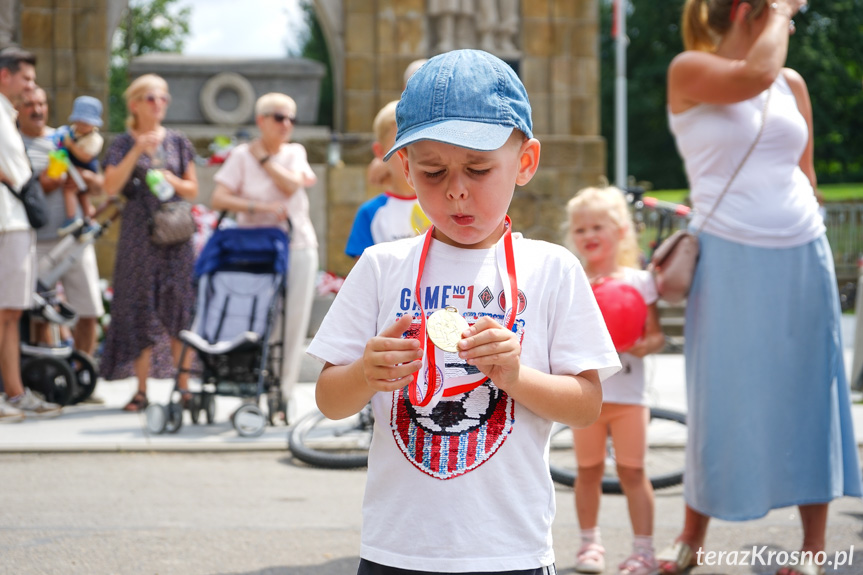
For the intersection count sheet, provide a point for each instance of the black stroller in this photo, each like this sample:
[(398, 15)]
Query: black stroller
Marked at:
[(241, 274)]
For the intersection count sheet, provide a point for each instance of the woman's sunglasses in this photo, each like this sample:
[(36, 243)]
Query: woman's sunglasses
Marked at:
[(153, 98), (280, 118)]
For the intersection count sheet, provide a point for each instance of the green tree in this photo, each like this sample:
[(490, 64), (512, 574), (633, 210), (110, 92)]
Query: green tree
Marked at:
[(147, 26), (314, 47), (654, 36), (827, 50)]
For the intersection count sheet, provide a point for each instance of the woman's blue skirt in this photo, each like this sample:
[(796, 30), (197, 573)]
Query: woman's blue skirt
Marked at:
[(769, 413)]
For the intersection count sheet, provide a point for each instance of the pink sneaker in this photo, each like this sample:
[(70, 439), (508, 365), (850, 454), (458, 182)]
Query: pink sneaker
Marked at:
[(639, 563), (590, 558)]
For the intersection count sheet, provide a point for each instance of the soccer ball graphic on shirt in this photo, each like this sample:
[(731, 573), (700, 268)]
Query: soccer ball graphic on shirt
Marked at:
[(459, 433), (455, 415)]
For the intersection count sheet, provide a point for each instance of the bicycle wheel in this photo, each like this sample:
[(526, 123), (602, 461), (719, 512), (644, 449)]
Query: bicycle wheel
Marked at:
[(342, 444), (666, 438)]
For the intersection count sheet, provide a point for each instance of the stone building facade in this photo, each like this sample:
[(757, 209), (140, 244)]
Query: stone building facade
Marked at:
[(552, 44)]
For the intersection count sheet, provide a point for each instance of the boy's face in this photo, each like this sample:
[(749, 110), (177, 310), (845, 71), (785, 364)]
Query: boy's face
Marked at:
[(466, 193)]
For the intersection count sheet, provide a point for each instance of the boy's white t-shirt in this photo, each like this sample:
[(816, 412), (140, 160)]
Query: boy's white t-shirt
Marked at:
[(465, 486), (628, 384)]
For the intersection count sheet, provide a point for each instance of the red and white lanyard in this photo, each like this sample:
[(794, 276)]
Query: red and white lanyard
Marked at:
[(423, 393)]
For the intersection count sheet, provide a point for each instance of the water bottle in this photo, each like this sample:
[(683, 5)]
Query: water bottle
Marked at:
[(159, 185)]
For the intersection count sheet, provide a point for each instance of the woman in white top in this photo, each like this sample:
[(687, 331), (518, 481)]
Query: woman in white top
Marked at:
[(264, 182), (769, 416)]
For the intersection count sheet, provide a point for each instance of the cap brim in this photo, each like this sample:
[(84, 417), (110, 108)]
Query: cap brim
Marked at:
[(92, 121), (468, 134)]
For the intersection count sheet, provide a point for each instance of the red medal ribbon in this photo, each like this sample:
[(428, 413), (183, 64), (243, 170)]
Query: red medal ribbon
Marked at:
[(419, 398)]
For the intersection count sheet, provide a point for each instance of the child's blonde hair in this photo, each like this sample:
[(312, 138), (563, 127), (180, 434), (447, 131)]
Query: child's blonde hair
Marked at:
[(385, 121), (610, 201)]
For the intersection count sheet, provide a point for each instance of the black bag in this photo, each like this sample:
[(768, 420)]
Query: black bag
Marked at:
[(33, 198)]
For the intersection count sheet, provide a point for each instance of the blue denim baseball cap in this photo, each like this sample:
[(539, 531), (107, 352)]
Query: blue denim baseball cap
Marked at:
[(467, 98), (87, 109)]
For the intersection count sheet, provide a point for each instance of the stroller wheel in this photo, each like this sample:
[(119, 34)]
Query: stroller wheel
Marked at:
[(157, 417), (174, 420), (53, 378), (249, 420), (208, 401)]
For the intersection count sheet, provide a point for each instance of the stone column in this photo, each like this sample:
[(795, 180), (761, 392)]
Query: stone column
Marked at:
[(72, 40), (8, 22)]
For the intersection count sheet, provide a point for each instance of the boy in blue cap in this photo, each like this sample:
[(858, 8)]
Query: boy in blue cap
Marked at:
[(464, 398), (82, 141)]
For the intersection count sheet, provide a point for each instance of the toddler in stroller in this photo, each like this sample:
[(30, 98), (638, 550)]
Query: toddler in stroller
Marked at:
[(241, 276)]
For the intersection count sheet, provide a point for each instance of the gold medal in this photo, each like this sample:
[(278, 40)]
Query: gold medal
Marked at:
[(444, 328)]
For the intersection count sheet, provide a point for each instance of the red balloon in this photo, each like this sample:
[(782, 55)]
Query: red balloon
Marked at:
[(623, 310)]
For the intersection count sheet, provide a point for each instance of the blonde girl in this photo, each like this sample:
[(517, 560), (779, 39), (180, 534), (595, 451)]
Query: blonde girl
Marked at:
[(601, 233)]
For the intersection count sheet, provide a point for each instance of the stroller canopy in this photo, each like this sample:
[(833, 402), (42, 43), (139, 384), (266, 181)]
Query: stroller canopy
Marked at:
[(254, 250)]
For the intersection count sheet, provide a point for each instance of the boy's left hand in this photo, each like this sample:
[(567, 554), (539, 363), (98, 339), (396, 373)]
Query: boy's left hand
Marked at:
[(494, 350)]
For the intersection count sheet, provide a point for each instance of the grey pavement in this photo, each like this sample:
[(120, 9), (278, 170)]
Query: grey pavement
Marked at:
[(90, 492)]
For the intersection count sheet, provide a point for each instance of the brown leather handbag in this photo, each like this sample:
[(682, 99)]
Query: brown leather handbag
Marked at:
[(172, 223), (673, 263)]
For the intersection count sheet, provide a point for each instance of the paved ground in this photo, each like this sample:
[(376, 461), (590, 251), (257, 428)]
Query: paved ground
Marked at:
[(260, 512), (91, 492)]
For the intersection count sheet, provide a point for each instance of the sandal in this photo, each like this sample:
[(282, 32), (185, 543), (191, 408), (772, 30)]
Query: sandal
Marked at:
[(806, 568), (590, 558), (137, 403), (676, 559), (639, 563)]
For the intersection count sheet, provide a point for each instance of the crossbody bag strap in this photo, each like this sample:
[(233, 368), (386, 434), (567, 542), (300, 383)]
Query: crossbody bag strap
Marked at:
[(740, 165), (32, 174), (14, 193)]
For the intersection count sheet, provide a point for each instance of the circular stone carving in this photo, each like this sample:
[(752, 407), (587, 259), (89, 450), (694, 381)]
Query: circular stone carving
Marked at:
[(235, 83)]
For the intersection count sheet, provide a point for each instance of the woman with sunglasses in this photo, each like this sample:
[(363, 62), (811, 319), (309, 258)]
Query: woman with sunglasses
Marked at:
[(264, 183), (153, 293), (769, 415)]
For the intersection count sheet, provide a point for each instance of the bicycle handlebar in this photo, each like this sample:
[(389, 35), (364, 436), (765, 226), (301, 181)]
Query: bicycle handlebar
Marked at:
[(676, 209)]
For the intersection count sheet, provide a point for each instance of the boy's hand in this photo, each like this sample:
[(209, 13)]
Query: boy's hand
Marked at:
[(494, 350), (389, 360)]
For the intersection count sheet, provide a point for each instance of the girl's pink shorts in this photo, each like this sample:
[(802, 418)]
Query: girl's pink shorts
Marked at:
[(628, 427)]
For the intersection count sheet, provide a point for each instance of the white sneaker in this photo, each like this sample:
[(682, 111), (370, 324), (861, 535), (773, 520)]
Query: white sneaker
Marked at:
[(9, 414), (28, 402)]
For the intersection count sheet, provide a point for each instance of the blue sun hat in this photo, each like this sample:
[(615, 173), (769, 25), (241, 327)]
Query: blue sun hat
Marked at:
[(87, 109), (467, 98)]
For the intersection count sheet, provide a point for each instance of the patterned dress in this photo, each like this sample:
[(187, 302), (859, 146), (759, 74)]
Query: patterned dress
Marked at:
[(153, 290)]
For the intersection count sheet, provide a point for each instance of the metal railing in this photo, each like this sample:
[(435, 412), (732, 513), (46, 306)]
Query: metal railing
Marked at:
[(844, 222)]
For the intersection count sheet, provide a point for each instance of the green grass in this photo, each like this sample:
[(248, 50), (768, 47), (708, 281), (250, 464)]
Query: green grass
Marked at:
[(831, 192)]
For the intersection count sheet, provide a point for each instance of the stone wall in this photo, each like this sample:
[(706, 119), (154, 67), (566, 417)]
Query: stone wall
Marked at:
[(72, 41), (558, 61)]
